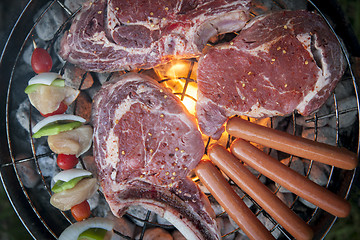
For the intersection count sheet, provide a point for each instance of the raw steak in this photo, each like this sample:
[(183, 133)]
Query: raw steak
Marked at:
[(279, 62), (115, 35), (145, 144)]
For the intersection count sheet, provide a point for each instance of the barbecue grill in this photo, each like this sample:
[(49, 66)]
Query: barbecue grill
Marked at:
[(19, 152)]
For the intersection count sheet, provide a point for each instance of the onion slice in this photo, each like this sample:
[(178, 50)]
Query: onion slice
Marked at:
[(44, 78), (56, 118), (74, 230), (70, 174)]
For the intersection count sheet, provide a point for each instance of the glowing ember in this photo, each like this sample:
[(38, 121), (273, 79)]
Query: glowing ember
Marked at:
[(180, 77)]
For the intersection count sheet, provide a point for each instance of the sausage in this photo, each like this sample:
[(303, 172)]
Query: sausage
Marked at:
[(295, 145), (290, 179), (230, 201), (259, 192)]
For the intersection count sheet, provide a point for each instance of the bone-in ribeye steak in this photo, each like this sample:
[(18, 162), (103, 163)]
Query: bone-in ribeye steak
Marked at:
[(278, 63), (145, 144), (113, 35)]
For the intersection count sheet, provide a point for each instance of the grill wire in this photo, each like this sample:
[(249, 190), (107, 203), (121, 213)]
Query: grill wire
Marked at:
[(45, 218)]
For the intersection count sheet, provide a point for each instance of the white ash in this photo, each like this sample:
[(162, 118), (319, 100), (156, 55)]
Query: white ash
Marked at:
[(225, 227), (241, 194), (269, 225), (28, 174), (345, 119), (297, 165), (23, 115), (324, 110), (261, 177), (162, 220), (102, 209), (274, 154), (286, 197), (47, 163), (73, 5), (56, 48), (177, 235), (26, 56), (235, 226), (343, 90), (94, 201), (307, 203), (155, 234), (319, 172), (325, 135), (103, 77), (218, 209), (140, 213), (73, 77), (93, 91), (50, 22)]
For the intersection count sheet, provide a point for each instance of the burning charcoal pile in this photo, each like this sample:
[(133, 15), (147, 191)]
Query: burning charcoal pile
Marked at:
[(150, 106)]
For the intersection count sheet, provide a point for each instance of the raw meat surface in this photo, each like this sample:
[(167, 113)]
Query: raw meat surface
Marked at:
[(114, 35), (145, 144), (279, 62)]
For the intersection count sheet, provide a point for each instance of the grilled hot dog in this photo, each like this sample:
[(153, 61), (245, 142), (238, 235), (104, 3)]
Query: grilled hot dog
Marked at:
[(230, 201), (259, 192), (295, 145), (290, 179)]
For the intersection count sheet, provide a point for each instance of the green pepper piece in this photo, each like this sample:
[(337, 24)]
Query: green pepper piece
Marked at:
[(60, 186), (56, 83), (55, 128), (93, 234)]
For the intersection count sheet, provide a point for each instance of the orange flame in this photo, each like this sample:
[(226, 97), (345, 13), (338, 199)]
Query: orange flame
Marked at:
[(180, 76)]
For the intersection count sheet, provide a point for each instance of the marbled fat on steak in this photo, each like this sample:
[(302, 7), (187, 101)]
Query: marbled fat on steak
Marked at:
[(114, 35), (145, 144), (279, 62)]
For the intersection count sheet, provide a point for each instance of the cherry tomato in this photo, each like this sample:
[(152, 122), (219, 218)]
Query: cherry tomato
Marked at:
[(41, 60), (81, 211), (66, 162), (61, 109)]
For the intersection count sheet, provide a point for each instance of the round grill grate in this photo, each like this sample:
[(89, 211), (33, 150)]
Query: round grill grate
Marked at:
[(22, 158)]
